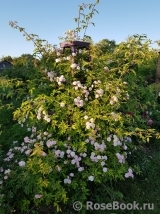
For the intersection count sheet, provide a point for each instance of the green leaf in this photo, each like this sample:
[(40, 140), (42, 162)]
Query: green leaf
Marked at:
[(120, 195), (21, 29)]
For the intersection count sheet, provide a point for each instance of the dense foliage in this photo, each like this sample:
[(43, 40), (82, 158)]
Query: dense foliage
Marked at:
[(67, 123)]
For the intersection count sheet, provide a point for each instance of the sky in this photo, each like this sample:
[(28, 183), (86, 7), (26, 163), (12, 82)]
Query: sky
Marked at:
[(49, 19)]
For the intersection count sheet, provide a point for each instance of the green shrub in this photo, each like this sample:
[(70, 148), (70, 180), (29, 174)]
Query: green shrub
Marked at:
[(84, 121)]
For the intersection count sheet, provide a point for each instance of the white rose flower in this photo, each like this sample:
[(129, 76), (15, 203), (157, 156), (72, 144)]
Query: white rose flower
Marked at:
[(106, 68), (85, 117), (91, 178), (62, 104), (104, 169), (22, 163), (74, 65), (58, 60), (68, 57)]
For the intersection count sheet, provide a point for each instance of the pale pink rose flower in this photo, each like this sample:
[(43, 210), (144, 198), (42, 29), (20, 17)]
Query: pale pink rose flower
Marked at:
[(38, 196)]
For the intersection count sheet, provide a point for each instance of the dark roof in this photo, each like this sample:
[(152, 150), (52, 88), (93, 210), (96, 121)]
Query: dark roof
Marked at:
[(5, 61)]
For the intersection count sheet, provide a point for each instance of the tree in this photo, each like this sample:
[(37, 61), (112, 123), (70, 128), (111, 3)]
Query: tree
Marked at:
[(24, 60), (7, 58), (106, 46)]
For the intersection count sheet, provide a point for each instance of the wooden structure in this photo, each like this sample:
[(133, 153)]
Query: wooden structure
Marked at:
[(75, 46)]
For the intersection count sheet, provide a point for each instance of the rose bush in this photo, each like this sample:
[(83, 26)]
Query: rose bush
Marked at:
[(83, 122)]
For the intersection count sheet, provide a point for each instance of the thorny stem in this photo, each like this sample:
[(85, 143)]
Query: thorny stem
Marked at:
[(87, 22), (14, 25), (79, 19), (31, 209)]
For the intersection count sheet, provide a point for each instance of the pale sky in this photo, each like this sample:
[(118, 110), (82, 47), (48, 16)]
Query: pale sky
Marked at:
[(117, 19)]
